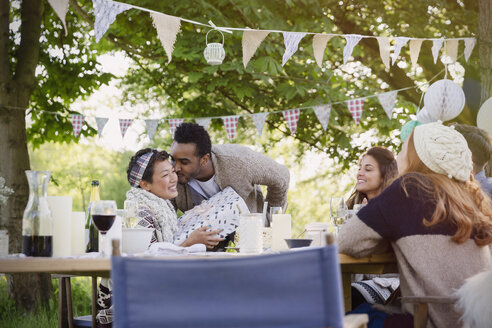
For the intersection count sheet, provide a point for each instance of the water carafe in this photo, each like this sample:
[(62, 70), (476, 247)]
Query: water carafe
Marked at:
[(37, 222)]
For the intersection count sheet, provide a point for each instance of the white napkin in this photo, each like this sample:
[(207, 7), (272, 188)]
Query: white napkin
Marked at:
[(164, 248)]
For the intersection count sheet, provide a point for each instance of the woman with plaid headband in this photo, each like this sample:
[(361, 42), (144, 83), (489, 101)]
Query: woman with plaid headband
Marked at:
[(153, 183)]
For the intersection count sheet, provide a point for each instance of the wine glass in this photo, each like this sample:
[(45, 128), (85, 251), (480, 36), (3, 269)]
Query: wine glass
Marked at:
[(130, 218), (338, 212), (103, 214)]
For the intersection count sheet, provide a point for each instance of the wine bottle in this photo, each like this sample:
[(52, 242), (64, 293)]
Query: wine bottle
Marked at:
[(91, 232)]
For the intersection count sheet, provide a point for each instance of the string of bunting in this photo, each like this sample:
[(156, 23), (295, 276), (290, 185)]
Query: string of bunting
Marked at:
[(167, 27), (291, 116)]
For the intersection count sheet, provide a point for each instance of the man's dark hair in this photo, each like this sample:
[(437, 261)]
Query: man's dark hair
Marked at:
[(194, 133), (478, 141), (157, 156)]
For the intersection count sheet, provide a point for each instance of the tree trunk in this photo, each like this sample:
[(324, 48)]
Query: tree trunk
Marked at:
[(15, 93), (485, 51)]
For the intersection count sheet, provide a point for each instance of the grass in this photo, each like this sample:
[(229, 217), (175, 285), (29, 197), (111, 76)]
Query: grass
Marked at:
[(12, 317)]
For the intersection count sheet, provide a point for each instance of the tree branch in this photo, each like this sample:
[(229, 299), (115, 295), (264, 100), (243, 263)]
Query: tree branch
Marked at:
[(25, 76), (5, 73)]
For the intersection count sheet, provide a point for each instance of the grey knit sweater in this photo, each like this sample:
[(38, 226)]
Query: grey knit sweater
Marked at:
[(244, 170)]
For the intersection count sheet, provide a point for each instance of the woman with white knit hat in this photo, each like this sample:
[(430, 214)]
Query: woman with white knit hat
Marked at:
[(435, 217)]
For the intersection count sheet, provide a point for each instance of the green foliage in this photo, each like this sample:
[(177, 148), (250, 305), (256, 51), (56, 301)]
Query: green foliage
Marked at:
[(44, 317), (76, 165)]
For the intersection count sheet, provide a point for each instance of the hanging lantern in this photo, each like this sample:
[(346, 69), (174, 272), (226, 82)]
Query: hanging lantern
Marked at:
[(423, 116), (214, 53), (484, 116), (444, 100)]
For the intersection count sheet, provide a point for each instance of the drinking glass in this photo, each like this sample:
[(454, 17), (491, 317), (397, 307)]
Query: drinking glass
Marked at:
[(103, 215), (130, 218), (338, 212)]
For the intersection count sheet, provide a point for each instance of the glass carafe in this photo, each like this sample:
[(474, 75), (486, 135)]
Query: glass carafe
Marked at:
[(37, 222)]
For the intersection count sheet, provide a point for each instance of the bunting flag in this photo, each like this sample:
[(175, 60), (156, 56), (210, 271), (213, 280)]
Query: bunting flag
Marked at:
[(319, 45), (451, 48), (251, 42), (77, 123), (323, 114), (388, 101), (203, 121), (436, 46), (230, 123), (291, 42), (60, 7), (352, 41), (259, 121), (355, 107), (291, 117), (101, 123), (469, 45), (124, 125), (167, 29), (151, 126), (384, 50), (174, 123), (400, 42), (415, 46), (106, 12)]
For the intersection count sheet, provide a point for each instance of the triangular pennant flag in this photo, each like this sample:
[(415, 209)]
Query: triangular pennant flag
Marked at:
[(352, 41), (291, 42), (384, 50), (415, 50), (251, 42), (400, 42), (355, 107), (124, 125), (436, 46), (388, 101), (203, 121), (469, 45), (167, 28), (451, 48), (319, 45), (60, 7), (259, 121), (323, 114), (151, 126), (291, 117), (106, 12), (230, 124), (101, 122), (77, 123), (174, 123)]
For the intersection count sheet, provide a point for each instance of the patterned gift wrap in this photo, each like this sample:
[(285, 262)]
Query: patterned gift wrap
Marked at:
[(221, 211)]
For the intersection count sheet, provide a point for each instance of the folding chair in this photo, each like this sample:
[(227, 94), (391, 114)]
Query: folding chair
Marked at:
[(295, 289)]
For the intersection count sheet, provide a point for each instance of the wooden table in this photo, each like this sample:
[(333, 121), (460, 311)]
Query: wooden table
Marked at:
[(101, 267)]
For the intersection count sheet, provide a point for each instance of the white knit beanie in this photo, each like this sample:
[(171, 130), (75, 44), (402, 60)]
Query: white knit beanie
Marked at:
[(443, 150)]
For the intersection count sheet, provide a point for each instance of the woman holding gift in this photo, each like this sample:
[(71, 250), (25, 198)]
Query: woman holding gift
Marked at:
[(436, 218), (153, 183)]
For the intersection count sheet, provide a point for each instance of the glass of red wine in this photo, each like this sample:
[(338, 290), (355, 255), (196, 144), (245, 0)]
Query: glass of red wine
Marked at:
[(103, 215)]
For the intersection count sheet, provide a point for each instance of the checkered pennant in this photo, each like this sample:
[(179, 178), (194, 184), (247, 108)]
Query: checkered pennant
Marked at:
[(101, 123), (230, 123), (124, 125), (174, 123), (291, 117), (203, 121), (259, 121), (151, 126), (77, 123), (355, 107), (388, 101), (323, 114)]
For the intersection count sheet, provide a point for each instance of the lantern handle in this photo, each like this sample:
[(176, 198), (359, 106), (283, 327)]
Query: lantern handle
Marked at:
[(206, 36)]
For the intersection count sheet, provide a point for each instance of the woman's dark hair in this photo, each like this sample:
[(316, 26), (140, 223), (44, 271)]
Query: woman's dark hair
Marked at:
[(157, 156), (387, 168), (194, 133)]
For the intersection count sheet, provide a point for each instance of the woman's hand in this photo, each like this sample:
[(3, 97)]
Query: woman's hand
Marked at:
[(201, 236)]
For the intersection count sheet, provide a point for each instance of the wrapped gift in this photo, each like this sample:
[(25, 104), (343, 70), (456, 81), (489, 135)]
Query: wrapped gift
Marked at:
[(221, 211)]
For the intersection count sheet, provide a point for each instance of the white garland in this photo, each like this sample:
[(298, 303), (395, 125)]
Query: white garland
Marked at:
[(5, 191)]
